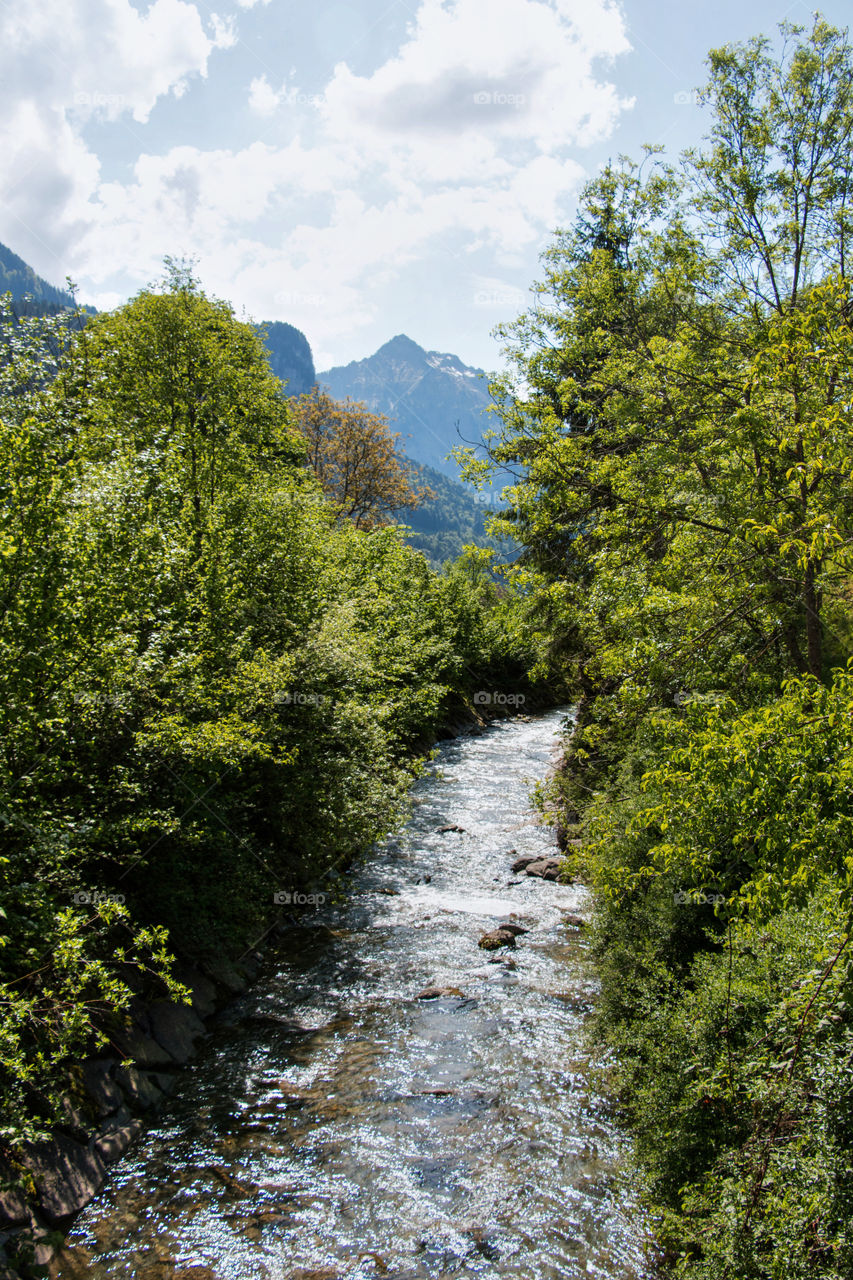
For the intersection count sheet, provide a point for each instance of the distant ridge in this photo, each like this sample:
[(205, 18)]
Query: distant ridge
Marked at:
[(433, 399), (19, 279)]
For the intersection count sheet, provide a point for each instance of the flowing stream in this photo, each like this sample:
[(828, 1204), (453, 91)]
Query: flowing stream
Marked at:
[(368, 1133)]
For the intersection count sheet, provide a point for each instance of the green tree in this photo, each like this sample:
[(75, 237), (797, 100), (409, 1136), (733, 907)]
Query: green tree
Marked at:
[(680, 438)]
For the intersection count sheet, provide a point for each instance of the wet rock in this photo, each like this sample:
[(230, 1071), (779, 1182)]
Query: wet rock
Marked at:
[(314, 1273), (195, 1273), (544, 868), (572, 921), (571, 1001), (100, 1085), (391, 893), (76, 1263), (524, 861), (136, 1043), (433, 993), (509, 926), (113, 1142), (497, 938), (241, 1190), (228, 976), (67, 1175), (139, 1089), (444, 830), (380, 1263), (176, 1028), (201, 988)]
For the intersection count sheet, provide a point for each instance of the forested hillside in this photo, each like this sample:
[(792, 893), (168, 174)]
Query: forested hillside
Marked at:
[(679, 407), (455, 516), (19, 280)]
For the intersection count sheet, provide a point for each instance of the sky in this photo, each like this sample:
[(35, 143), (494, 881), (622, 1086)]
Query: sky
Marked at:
[(360, 169)]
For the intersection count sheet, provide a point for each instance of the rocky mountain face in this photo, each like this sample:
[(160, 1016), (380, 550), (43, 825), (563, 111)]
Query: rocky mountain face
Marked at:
[(433, 399), (290, 356)]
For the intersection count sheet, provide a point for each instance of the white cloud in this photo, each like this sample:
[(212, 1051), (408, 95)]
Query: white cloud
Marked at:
[(466, 138), (63, 65), (505, 70), (263, 98)]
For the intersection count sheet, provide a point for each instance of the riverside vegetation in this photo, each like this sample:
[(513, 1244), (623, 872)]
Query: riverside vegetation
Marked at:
[(215, 688), (677, 413)]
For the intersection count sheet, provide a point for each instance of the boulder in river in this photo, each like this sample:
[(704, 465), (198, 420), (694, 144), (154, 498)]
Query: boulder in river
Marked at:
[(524, 861), (544, 868), (497, 938), (444, 830), (434, 993)]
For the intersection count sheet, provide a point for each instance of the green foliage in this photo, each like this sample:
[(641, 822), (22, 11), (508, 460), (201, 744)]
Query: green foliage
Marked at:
[(211, 689), (722, 931)]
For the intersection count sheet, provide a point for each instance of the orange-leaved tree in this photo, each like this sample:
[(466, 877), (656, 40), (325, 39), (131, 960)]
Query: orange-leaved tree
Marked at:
[(354, 455)]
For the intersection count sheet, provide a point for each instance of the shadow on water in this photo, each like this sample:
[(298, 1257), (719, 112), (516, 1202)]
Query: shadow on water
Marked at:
[(336, 1126)]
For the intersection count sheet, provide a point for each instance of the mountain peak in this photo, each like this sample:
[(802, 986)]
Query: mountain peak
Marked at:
[(401, 346), (431, 397)]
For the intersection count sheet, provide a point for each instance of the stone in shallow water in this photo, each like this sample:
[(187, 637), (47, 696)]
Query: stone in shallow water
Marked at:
[(314, 1273), (523, 862), (544, 868), (433, 993), (497, 938)]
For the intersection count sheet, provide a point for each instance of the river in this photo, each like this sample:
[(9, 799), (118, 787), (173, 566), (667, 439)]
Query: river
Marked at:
[(335, 1126)]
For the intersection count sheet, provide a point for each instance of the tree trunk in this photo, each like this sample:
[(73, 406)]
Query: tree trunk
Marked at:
[(814, 630)]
